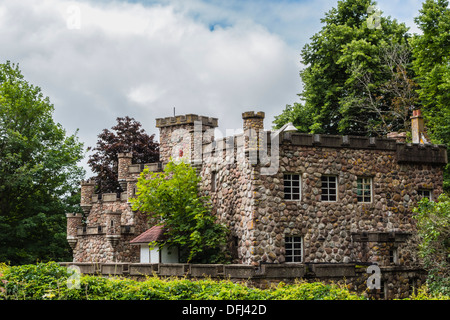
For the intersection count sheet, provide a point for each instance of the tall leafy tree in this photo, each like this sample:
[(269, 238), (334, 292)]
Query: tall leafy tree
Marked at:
[(349, 41), (172, 198), (126, 136), (431, 63), (39, 175)]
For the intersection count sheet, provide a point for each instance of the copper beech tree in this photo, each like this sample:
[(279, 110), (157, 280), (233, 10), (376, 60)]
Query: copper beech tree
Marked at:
[(126, 136)]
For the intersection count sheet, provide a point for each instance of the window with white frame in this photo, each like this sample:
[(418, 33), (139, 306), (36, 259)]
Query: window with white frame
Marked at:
[(364, 189), (424, 193), (294, 248), (329, 188), (292, 187)]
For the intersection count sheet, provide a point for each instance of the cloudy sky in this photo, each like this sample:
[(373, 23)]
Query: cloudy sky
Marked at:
[(99, 60)]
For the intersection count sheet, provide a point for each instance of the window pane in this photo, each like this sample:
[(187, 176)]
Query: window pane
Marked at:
[(291, 186)]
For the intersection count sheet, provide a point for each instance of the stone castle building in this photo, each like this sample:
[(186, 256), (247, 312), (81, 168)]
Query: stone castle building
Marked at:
[(285, 196)]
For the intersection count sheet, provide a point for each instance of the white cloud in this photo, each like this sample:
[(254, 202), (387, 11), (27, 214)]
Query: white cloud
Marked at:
[(141, 61), (212, 58)]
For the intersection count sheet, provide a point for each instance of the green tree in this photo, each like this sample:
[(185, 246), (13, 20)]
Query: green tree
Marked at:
[(171, 198), (350, 40), (433, 225), (39, 175), (431, 63)]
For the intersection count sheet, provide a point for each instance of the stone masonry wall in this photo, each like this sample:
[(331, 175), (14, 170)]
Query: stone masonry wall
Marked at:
[(232, 194), (326, 227), (254, 208), (99, 240)]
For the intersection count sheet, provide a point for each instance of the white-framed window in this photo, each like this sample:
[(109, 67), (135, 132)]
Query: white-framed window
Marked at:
[(294, 248), (292, 183), (329, 188), (364, 189), (424, 193)]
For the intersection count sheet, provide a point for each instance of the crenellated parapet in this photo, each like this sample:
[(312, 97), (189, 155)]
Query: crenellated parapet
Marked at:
[(187, 119)]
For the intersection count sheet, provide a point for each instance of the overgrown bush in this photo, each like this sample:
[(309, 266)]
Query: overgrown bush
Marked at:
[(50, 281), (433, 226)]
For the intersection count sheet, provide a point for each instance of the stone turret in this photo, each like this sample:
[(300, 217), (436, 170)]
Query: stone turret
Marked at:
[(182, 136), (87, 190), (253, 120), (113, 226), (252, 126), (124, 161), (74, 220)]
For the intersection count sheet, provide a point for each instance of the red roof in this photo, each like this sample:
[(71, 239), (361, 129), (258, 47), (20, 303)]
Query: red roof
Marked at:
[(155, 233)]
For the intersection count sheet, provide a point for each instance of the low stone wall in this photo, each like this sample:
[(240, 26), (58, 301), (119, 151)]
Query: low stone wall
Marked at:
[(396, 282)]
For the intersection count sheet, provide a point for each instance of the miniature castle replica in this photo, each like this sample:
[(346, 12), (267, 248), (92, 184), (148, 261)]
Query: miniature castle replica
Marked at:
[(287, 197)]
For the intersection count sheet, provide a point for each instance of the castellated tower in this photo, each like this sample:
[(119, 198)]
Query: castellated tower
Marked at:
[(183, 136)]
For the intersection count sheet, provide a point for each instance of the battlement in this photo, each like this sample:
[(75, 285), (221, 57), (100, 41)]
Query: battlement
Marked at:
[(405, 152), (253, 114), (186, 119)]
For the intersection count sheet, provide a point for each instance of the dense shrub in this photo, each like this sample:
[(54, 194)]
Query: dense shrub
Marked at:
[(50, 281)]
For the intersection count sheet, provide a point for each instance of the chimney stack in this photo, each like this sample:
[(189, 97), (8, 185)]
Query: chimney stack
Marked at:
[(417, 128)]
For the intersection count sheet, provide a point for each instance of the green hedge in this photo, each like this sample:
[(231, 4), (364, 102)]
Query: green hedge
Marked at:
[(53, 282)]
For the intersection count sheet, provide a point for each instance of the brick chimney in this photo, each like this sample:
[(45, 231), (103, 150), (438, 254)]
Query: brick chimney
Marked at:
[(418, 128)]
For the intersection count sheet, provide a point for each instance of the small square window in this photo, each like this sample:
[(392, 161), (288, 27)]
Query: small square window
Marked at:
[(393, 256), (294, 249), (424, 193), (329, 191), (292, 188), (364, 189)]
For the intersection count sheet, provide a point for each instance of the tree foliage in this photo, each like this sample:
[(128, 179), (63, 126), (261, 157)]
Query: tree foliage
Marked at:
[(346, 48), (365, 79), (49, 282), (39, 175), (431, 63), (172, 198), (433, 225), (126, 136)]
